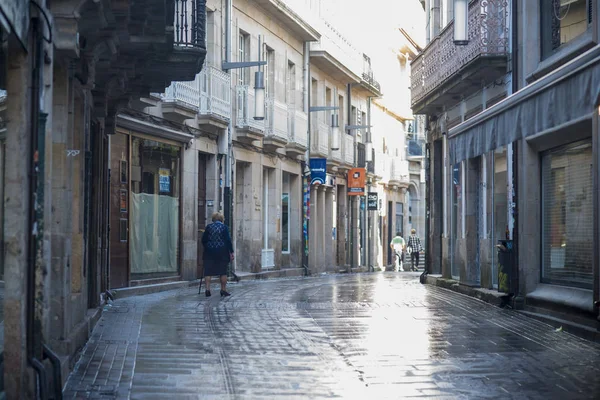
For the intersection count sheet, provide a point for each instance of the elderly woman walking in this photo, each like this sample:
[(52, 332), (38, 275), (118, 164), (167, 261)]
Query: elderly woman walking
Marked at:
[(218, 252)]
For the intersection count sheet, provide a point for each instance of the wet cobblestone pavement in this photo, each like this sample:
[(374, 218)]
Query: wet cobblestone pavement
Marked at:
[(380, 335)]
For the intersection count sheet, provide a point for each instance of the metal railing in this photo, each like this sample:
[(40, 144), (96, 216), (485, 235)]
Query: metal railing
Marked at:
[(348, 143), (245, 109), (276, 119), (320, 137), (208, 94), (215, 92), (190, 23), (442, 59), (368, 77), (297, 127)]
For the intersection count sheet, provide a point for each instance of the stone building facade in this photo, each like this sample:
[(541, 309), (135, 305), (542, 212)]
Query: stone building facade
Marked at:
[(67, 68), (512, 128)]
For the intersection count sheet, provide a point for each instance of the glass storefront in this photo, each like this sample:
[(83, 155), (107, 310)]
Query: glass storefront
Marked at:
[(500, 216), (155, 199), (567, 215)]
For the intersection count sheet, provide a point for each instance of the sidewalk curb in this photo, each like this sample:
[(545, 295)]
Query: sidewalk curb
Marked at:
[(279, 273), (149, 289), (489, 296)]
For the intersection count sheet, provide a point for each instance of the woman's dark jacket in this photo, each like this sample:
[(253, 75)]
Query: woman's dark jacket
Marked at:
[(217, 242)]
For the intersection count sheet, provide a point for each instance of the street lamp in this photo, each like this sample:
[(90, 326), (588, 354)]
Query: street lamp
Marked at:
[(259, 93), (335, 132), (369, 151), (461, 22)]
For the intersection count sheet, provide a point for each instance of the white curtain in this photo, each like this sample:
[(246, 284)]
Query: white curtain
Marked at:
[(154, 233)]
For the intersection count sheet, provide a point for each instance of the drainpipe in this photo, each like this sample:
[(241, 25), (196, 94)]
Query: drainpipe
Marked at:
[(36, 211), (305, 181), (515, 161), (227, 196), (352, 198)]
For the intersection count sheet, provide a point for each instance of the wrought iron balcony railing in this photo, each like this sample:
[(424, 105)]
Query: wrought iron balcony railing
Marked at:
[(208, 94), (442, 59), (297, 127), (368, 77), (189, 26), (245, 109)]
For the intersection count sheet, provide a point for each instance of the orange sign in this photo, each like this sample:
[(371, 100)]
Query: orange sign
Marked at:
[(356, 182)]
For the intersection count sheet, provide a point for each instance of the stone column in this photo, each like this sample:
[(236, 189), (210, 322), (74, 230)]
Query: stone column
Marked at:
[(321, 229), (329, 215), (18, 377), (313, 229), (342, 219), (62, 198), (355, 248), (189, 211)]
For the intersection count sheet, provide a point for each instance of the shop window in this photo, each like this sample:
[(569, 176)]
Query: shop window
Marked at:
[(154, 227), (567, 215), (563, 21)]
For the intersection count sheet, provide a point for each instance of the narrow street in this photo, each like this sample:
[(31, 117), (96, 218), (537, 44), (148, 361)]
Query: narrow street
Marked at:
[(380, 335)]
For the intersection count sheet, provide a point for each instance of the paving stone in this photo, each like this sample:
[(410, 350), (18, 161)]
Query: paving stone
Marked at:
[(379, 335)]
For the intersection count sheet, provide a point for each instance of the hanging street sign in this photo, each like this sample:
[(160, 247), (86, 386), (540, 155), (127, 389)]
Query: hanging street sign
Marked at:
[(318, 171), (356, 182), (372, 201)]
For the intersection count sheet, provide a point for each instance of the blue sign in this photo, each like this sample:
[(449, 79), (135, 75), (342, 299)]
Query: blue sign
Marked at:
[(318, 170), (164, 180)]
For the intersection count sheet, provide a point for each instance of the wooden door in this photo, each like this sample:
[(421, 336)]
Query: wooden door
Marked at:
[(202, 159)]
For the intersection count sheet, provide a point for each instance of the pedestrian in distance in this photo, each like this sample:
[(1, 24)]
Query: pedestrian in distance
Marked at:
[(415, 247), (218, 253), (398, 245)]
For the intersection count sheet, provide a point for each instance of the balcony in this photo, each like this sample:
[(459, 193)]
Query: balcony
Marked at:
[(443, 73), (127, 50), (276, 125), (208, 97), (248, 129), (368, 85), (319, 141), (297, 132), (348, 150), (399, 173)]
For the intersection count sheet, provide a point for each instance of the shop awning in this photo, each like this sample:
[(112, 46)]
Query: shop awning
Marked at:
[(568, 94)]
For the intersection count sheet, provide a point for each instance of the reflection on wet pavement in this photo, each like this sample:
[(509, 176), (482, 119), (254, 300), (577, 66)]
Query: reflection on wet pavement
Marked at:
[(348, 336)]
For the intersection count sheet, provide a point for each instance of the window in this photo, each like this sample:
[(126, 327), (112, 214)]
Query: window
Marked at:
[(291, 84), (269, 70), (567, 216), (243, 56), (155, 205), (562, 21)]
